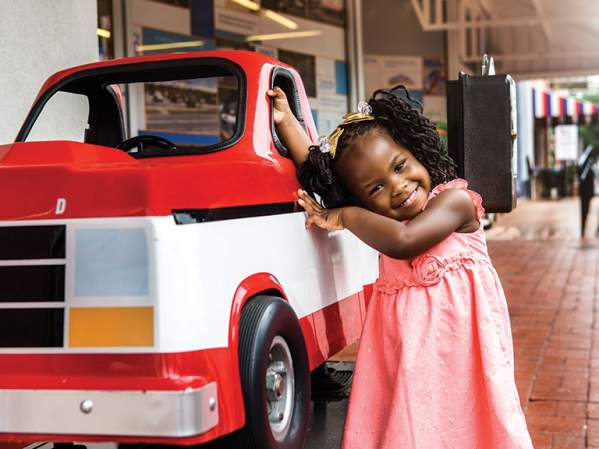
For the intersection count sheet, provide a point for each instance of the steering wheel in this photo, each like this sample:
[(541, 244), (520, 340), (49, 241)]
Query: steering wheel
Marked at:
[(140, 142)]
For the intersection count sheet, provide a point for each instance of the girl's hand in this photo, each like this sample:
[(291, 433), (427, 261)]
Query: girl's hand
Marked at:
[(329, 219), (281, 109)]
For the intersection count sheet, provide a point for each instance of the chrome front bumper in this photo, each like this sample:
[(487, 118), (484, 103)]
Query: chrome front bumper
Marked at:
[(118, 413)]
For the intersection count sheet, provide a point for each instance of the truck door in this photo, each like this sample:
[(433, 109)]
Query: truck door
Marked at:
[(341, 264)]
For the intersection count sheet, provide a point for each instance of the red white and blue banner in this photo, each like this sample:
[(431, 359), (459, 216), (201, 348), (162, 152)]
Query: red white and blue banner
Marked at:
[(549, 104)]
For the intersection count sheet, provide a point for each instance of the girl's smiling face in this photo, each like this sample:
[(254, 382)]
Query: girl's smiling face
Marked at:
[(384, 176)]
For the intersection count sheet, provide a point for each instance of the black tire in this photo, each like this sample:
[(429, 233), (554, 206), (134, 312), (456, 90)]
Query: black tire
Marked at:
[(265, 320)]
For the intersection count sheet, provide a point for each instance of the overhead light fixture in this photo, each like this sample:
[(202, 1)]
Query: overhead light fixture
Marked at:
[(169, 46), (103, 33), (275, 36), (249, 4), (253, 6), (287, 23)]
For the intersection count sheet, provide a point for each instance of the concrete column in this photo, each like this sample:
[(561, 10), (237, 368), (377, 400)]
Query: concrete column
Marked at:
[(453, 42), (40, 37), (526, 130), (355, 52)]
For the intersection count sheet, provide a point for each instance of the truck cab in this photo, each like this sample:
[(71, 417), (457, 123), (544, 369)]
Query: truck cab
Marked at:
[(158, 285)]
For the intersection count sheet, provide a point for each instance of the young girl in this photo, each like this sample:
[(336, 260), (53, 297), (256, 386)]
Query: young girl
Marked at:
[(435, 366)]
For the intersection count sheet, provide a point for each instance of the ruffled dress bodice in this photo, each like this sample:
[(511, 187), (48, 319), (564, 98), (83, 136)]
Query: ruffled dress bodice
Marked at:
[(459, 249)]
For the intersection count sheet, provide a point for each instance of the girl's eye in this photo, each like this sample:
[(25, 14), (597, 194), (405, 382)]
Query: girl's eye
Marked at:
[(376, 189), (399, 167)]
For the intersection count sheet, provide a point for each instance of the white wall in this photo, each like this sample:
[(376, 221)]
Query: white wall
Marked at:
[(40, 37), (391, 31)]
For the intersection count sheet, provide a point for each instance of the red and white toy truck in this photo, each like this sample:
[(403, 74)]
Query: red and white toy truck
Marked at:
[(163, 288)]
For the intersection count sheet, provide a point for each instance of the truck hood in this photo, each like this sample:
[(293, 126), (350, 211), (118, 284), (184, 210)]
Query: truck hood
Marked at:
[(63, 179)]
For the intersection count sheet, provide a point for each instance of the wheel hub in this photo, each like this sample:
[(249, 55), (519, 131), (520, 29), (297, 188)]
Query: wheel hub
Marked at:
[(275, 381), (280, 388)]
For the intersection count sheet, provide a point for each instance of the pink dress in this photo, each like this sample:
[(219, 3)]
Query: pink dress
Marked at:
[(435, 367)]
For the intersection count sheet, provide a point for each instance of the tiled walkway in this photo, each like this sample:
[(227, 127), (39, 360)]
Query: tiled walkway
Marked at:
[(551, 290), (549, 277)]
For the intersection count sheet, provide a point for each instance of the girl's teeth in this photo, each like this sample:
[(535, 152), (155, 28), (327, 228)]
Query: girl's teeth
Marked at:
[(408, 200)]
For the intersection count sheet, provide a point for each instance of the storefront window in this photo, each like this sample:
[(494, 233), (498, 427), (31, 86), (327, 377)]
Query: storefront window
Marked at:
[(180, 107)]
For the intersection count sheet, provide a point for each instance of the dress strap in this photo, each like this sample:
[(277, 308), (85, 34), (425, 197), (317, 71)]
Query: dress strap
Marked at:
[(461, 184)]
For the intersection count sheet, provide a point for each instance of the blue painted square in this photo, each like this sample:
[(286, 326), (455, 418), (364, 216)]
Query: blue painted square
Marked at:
[(111, 262)]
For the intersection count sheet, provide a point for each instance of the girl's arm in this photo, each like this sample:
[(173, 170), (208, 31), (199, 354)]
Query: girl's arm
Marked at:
[(289, 129), (450, 211)]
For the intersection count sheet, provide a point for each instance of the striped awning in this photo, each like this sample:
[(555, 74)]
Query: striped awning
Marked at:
[(549, 104)]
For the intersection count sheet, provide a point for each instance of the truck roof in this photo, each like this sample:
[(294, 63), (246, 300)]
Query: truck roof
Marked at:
[(245, 59)]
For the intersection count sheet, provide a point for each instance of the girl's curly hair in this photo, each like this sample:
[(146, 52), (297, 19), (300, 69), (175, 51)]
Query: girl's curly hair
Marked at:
[(394, 113)]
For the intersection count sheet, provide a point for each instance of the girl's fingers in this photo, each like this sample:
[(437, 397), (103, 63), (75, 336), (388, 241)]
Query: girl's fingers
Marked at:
[(315, 214), (307, 206), (310, 221), (308, 199), (274, 92)]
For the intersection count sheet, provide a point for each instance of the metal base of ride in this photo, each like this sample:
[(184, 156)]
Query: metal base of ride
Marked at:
[(332, 381)]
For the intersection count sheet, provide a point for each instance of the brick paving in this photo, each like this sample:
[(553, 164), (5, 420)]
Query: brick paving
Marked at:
[(549, 276), (551, 291)]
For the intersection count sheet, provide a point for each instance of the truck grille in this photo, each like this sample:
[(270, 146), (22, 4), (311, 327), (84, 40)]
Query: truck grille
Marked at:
[(32, 286)]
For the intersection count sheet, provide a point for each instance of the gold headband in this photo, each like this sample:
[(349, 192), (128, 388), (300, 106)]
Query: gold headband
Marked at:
[(329, 144)]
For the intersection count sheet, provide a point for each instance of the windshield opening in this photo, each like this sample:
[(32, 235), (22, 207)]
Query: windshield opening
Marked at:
[(174, 107)]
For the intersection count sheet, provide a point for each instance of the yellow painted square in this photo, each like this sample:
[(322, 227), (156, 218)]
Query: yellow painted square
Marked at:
[(111, 326)]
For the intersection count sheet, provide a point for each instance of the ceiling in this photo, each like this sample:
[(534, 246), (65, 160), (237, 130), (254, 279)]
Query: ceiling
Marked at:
[(527, 38)]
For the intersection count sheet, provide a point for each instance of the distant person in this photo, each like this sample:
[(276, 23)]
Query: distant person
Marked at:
[(435, 367)]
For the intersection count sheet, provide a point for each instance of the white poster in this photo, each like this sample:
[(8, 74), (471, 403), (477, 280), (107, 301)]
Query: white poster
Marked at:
[(327, 122), (389, 71), (329, 112), (325, 76), (335, 103), (566, 142), (372, 74), (406, 70)]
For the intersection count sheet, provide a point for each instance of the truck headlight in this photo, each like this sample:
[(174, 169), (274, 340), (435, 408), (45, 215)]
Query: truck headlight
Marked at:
[(111, 262)]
